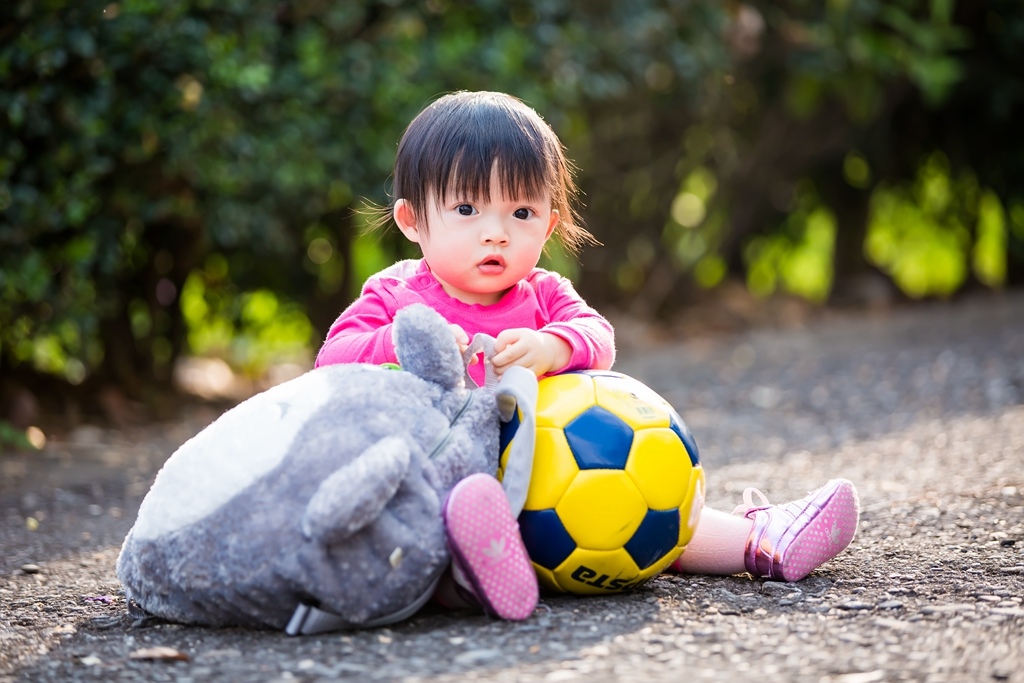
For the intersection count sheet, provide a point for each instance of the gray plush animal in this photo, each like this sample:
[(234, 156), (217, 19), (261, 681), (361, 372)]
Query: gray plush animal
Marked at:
[(316, 505)]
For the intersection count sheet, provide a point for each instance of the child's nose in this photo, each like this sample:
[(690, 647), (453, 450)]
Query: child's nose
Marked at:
[(494, 233)]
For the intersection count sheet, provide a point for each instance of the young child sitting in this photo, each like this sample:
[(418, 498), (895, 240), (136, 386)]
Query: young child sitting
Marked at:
[(481, 183)]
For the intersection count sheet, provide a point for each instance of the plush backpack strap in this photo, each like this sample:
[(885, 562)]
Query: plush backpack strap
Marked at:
[(485, 343), (308, 620), (517, 390)]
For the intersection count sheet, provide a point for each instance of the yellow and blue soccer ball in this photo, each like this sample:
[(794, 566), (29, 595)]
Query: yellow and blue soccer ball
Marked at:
[(617, 487)]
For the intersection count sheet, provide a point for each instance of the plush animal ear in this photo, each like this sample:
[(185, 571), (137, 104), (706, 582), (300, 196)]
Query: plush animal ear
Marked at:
[(426, 346), (356, 494)]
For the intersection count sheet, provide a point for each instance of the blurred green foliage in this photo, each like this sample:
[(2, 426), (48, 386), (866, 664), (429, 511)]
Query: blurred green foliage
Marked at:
[(188, 175), (798, 257), (920, 234), (13, 438)]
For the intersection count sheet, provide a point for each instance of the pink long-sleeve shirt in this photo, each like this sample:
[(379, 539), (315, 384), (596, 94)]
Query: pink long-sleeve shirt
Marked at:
[(543, 301)]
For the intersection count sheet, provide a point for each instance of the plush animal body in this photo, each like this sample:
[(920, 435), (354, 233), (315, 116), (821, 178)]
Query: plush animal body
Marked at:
[(323, 493)]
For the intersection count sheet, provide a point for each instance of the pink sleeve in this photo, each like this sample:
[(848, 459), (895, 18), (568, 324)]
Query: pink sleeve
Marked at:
[(585, 330), (361, 334)]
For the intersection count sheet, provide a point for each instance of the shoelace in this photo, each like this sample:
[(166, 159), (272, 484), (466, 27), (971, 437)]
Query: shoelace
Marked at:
[(748, 501)]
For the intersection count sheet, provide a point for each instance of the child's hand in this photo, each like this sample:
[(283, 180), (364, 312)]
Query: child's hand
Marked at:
[(462, 339), (537, 351)]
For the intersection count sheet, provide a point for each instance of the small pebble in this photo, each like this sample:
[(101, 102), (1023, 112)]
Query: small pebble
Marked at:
[(477, 657), (778, 588), (855, 605), (31, 568)]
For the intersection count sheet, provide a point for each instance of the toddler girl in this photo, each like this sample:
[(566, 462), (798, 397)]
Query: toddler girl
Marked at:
[(481, 183)]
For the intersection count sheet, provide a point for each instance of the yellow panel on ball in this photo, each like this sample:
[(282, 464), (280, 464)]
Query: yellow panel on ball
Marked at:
[(633, 402), (546, 578), (554, 469), (601, 509), (562, 397), (660, 468), (597, 572)]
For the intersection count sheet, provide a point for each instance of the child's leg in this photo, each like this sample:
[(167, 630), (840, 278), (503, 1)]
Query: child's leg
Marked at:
[(718, 545), (489, 560), (783, 542)]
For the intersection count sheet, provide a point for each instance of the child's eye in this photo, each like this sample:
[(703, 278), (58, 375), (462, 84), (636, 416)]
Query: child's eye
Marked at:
[(464, 209), (522, 214)]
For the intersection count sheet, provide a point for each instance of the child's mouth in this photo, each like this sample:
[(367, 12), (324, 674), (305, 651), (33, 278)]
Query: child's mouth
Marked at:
[(492, 266)]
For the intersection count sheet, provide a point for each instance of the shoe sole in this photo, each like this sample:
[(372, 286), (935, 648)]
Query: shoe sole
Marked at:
[(484, 539), (828, 533)]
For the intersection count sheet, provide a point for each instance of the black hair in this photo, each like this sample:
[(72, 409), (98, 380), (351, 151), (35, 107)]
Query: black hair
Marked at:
[(453, 144)]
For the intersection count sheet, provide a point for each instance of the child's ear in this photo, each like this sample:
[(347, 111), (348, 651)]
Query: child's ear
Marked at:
[(552, 223), (405, 219)]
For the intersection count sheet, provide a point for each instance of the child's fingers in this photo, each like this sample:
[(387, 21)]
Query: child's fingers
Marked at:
[(506, 338), (505, 345), (521, 347), (462, 339), (517, 354), (504, 358)]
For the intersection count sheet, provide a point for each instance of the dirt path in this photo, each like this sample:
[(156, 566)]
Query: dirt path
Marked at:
[(922, 408)]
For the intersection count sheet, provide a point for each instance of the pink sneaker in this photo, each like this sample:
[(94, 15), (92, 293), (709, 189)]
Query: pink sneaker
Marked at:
[(790, 541), (488, 555)]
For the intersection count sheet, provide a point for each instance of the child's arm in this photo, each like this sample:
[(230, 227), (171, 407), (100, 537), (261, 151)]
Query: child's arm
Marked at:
[(576, 336), (588, 334), (361, 334)]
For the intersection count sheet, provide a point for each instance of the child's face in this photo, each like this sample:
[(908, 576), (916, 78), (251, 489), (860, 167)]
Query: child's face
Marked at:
[(479, 248)]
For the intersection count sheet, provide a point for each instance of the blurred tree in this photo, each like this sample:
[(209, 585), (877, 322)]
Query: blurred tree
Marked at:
[(979, 129), (165, 163), (856, 97), (189, 173)]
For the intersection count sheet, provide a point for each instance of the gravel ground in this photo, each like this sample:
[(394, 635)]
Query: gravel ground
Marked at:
[(922, 407)]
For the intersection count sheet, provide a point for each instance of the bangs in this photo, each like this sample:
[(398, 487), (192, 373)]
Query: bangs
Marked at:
[(467, 166), (452, 152)]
